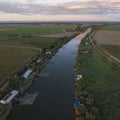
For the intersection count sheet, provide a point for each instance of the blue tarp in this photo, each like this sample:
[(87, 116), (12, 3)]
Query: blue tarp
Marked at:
[(77, 103)]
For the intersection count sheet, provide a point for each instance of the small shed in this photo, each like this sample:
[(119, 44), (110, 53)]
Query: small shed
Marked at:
[(78, 77), (27, 73)]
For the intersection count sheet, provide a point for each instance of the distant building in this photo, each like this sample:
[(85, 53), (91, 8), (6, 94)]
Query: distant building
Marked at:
[(9, 97)]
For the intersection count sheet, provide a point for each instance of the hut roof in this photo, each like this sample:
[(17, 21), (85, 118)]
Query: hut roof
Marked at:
[(9, 97), (27, 73)]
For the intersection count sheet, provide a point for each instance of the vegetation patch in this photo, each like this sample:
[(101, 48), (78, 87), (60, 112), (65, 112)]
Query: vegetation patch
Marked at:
[(12, 58), (32, 29), (58, 34), (36, 42)]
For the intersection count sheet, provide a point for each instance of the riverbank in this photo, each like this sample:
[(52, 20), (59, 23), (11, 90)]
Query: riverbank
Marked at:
[(98, 90)]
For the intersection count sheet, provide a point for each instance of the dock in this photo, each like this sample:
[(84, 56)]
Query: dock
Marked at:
[(28, 99)]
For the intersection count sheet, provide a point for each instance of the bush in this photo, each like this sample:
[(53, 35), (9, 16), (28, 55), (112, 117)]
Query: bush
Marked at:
[(82, 110), (90, 116), (89, 101)]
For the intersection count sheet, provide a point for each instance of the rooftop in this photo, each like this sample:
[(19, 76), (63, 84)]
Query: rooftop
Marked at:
[(27, 73), (9, 97)]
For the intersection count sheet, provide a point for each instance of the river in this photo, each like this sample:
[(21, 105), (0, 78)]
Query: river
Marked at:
[(56, 92)]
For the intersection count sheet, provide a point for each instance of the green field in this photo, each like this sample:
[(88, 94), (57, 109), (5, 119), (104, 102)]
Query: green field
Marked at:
[(36, 42), (110, 28), (32, 29), (29, 35), (101, 82), (12, 58)]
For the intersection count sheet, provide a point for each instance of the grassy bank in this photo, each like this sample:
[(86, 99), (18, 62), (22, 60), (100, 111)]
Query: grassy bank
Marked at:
[(99, 88)]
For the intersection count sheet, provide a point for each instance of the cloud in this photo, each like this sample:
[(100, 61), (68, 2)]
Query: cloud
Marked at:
[(76, 7)]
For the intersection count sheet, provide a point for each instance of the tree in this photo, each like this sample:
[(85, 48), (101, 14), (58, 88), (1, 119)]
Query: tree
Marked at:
[(82, 109), (89, 101)]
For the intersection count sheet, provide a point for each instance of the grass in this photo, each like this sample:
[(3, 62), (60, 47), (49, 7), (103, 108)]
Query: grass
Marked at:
[(35, 29), (37, 42), (111, 28), (12, 58), (105, 85)]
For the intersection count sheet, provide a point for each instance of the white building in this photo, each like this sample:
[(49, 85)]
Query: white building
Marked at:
[(9, 97), (27, 73)]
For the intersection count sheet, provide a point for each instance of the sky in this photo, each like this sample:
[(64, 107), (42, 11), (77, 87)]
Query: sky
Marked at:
[(60, 10)]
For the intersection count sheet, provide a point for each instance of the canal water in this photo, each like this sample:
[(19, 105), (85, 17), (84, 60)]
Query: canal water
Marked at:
[(56, 91)]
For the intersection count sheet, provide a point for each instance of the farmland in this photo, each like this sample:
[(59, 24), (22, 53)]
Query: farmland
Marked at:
[(33, 35), (32, 29), (111, 28), (108, 38), (19, 43), (12, 58), (36, 42)]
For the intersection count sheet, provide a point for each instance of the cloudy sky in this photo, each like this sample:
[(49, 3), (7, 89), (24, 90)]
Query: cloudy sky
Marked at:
[(60, 10)]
